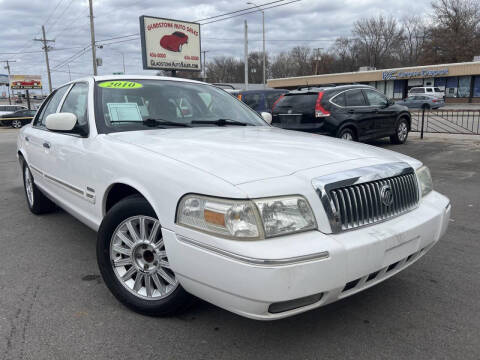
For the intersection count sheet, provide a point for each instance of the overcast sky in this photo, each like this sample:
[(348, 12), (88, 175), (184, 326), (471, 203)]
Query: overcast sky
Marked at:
[(315, 23)]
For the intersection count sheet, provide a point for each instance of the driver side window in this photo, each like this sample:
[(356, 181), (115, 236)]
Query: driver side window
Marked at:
[(51, 106), (375, 98)]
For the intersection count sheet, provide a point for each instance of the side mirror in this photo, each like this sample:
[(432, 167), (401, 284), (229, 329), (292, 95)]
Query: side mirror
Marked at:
[(390, 102), (267, 117), (61, 121)]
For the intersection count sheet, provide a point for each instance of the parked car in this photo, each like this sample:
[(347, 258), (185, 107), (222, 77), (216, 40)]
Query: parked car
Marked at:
[(422, 102), (350, 112), (18, 118), (8, 109), (261, 100), (174, 42), (428, 90), (260, 221)]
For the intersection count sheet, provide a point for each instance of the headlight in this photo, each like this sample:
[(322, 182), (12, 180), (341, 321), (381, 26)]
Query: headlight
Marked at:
[(285, 215), (245, 219), (424, 180)]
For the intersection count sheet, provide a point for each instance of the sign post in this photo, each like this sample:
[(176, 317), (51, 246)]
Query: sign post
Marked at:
[(170, 44)]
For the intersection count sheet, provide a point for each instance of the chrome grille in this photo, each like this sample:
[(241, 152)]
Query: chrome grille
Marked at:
[(358, 197), (361, 204)]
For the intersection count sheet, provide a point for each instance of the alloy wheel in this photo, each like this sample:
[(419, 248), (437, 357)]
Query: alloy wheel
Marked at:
[(139, 259), (347, 136), (402, 131), (29, 185), (17, 124)]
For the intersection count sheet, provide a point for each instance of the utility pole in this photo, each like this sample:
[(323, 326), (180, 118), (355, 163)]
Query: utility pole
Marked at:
[(264, 53), (92, 33), (317, 59), (246, 55), (46, 49), (204, 68), (8, 69)]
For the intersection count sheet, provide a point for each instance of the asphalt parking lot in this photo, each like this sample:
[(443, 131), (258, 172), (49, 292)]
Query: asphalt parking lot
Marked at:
[(53, 304)]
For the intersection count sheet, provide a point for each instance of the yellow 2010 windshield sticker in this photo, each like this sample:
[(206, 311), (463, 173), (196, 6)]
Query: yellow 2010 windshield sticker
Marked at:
[(120, 85)]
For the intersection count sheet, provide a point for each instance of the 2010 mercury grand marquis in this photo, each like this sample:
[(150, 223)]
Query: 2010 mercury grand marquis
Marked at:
[(191, 192)]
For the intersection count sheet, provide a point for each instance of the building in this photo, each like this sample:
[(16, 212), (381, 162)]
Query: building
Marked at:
[(461, 81)]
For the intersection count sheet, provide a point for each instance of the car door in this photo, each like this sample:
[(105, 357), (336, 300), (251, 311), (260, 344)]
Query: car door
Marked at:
[(360, 112), (35, 136), (386, 113), (67, 161)]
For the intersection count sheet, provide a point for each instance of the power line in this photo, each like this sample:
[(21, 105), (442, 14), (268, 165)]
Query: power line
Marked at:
[(250, 12), (60, 16), (237, 11), (55, 9)]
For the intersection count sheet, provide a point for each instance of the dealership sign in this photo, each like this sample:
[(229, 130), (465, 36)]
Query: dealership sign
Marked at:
[(395, 74), (170, 44), (25, 82)]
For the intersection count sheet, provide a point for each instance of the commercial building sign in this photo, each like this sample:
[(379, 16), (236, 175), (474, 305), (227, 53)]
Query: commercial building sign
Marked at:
[(395, 74), (25, 82), (170, 44), (4, 79)]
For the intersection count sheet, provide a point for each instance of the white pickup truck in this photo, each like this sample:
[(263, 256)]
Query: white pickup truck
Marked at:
[(213, 202)]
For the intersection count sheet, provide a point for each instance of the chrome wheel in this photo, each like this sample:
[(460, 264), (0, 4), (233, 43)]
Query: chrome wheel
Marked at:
[(16, 124), (347, 136), (402, 131), (29, 185), (139, 259)]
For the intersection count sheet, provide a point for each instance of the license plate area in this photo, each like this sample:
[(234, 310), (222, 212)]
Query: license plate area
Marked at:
[(290, 119)]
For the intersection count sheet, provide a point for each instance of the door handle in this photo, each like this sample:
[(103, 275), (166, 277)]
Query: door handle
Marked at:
[(350, 111), (46, 145), (27, 138)]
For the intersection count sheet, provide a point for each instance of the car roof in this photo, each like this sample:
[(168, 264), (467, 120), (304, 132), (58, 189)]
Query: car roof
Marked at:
[(330, 88), (132, 77), (262, 91)]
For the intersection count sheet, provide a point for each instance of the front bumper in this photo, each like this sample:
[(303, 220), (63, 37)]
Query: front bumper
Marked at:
[(335, 266)]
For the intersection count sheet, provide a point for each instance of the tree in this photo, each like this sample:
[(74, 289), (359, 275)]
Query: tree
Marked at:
[(378, 40), (413, 41), (455, 34)]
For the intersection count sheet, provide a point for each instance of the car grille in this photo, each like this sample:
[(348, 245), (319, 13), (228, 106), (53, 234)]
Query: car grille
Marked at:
[(375, 194), (362, 204)]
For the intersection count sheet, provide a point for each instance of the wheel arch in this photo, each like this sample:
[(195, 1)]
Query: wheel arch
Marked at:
[(118, 191), (348, 124)]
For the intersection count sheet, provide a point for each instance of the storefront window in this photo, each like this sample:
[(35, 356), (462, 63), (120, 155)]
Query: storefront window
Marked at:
[(476, 86), (440, 82), (464, 86)]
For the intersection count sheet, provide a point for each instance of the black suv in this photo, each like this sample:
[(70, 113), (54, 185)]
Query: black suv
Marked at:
[(351, 112)]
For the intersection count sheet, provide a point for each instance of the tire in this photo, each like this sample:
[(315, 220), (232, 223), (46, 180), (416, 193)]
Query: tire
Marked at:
[(16, 124), (37, 202), (401, 132), (347, 134), (139, 261)]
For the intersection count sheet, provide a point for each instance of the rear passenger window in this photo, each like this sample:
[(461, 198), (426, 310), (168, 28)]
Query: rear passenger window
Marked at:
[(437, 90), (429, 90), (355, 98), (340, 100)]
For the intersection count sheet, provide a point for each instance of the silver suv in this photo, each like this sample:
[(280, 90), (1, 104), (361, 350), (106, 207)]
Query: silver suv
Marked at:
[(429, 90)]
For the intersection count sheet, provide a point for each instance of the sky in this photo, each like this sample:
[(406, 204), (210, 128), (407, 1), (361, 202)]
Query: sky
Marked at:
[(314, 23)]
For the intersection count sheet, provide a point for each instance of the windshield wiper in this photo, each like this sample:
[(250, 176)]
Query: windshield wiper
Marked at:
[(220, 122), (156, 122)]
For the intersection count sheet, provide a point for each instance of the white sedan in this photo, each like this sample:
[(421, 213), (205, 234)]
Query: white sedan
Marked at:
[(207, 199)]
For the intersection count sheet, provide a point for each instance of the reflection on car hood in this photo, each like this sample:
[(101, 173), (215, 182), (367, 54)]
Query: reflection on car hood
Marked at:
[(244, 154)]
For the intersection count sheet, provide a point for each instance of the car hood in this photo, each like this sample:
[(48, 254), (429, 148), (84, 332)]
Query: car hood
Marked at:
[(244, 154)]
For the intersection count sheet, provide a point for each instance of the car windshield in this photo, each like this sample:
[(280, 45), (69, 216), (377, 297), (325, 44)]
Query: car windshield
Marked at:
[(127, 105)]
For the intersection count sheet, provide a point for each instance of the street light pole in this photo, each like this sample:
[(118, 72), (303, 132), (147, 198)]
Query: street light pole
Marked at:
[(263, 37)]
